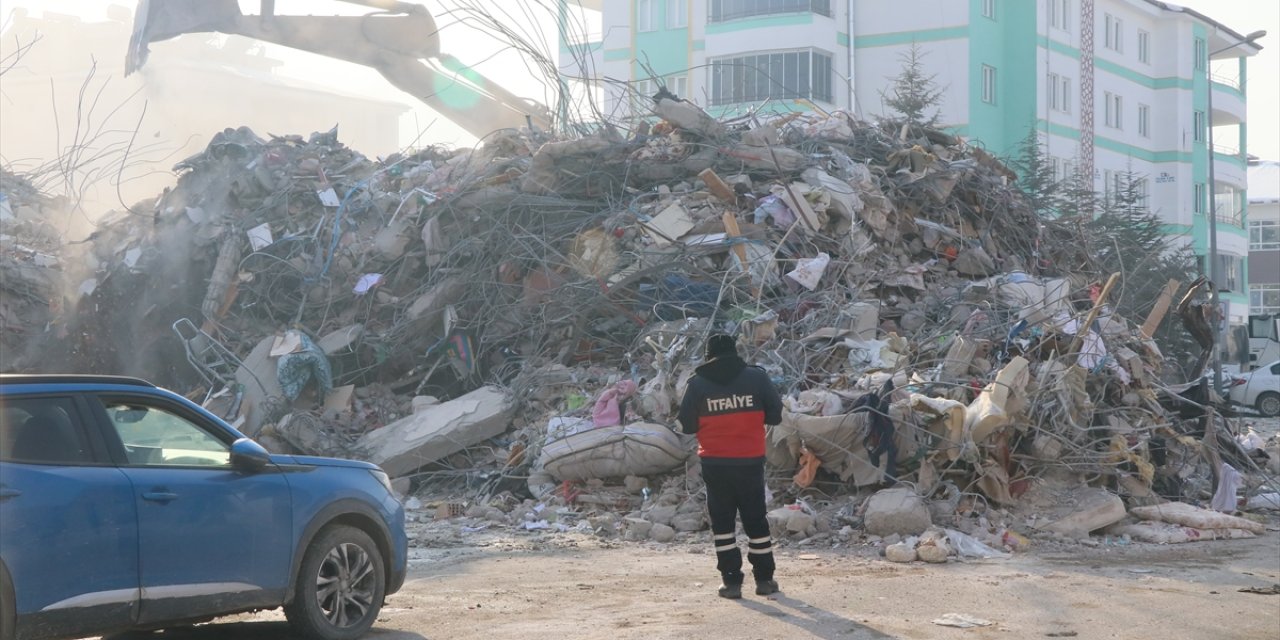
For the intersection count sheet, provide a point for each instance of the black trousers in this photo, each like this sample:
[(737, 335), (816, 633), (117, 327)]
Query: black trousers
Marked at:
[(733, 491)]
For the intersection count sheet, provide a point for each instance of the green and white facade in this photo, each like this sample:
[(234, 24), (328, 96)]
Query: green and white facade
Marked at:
[(1008, 66)]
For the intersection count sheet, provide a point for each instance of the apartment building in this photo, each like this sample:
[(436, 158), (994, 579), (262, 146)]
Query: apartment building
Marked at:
[(1128, 88), (1264, 237)]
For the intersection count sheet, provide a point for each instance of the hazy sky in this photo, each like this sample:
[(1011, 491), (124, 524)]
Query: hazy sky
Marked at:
[(1244, 16)]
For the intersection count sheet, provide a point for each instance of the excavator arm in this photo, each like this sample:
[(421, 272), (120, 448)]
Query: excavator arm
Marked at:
[(400, 41)]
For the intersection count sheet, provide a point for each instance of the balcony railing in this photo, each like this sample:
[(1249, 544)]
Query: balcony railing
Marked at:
[(1225, 149), (1228, 80), (726, 10)]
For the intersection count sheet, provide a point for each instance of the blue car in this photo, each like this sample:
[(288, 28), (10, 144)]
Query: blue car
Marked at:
[(126, 507)]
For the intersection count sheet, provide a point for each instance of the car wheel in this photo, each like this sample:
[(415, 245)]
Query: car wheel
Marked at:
[(8, 606), (1269, 404), (339, 586)]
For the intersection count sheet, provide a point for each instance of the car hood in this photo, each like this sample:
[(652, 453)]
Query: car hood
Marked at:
[(317, 461)]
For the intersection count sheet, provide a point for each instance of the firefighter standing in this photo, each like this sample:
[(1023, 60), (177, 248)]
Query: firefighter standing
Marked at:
[(728, 404)]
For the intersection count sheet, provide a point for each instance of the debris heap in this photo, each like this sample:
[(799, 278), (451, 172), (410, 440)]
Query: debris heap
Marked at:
[(520, 319)]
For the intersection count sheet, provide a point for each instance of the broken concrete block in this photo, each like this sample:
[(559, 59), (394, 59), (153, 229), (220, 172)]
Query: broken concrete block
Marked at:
[(974, 262), (441, 430), (900, 552), (688, 522), (934, 546), (662, 514), (635, 484), (340, 341), (897, 510), (799, 522), (1093, 510), (422, 403), (687, 116), (662, 533), (1193, 516), (637, 529)]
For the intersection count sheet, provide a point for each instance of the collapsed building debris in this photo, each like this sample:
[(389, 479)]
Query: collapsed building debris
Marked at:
[(927, 328)]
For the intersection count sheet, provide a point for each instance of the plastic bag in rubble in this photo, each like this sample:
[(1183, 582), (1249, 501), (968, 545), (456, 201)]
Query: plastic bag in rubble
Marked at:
[(808, 272), (773, 206), (294, 370), (967, 546), (1224, 499)]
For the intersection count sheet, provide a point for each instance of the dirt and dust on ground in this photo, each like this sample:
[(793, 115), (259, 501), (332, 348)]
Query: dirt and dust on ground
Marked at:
[(539, 585)]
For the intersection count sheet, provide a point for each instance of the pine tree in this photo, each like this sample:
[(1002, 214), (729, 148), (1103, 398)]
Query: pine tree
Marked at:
[(1036, 176), (913, 94)]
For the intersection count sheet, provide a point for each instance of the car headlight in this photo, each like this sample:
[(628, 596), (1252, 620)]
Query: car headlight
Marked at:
[(383, 479)]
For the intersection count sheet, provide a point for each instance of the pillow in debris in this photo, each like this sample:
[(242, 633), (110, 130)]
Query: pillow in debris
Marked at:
[(639, 449)]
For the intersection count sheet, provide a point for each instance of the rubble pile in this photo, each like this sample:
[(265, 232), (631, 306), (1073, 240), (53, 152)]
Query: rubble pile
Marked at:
[(30, 266), (517, 322)]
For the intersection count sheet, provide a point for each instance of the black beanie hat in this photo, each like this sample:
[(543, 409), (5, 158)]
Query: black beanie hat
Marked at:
[(720, 345)]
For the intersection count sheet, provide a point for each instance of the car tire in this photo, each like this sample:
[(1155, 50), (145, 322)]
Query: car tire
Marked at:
[(8, 607), (1269, 404), (339, 587)]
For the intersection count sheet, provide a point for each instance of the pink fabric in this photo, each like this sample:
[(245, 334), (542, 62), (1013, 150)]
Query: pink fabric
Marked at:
[(606, 412)]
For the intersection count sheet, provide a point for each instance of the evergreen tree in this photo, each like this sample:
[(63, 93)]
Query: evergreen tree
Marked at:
[(913, 94)]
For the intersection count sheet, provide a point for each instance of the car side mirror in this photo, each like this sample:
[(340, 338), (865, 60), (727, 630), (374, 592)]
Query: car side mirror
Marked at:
[(247, 455)]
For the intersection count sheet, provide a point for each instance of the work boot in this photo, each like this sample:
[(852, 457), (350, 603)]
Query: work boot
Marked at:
[(766, 587), (730, 591)]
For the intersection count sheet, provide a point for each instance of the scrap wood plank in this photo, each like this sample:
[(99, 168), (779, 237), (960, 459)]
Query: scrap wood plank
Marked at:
[(1093, 313), (1162, 307), (718, 187), (732, 231)]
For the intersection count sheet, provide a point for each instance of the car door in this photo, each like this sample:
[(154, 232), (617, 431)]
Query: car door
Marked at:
[(68, 526), (212, 539)]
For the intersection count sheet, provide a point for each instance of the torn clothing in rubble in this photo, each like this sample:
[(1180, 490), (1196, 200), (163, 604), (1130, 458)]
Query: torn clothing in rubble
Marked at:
[(880, 436), (295, 369)]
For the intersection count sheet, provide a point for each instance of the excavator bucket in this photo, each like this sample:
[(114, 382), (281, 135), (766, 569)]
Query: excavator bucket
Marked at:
[(157, 20)]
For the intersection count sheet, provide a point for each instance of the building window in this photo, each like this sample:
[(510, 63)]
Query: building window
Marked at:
[(989, 9), (677, 14), (1113, 108), (1142, 191), (1200, 53), (1198, 123), (1114, 33), (724, 10), (1199, 197), (678, 85), (1144, 47), (1144, 121), (1228, 205), (642, 99), (1230, 270), (1264, 299), (1059, 92), (791, 74), (646, 15), (988, 84), (1264, 235), (1060, 14)]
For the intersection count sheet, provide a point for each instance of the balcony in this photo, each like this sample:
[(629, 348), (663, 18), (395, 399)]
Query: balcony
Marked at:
[(726, 10), (1228, 102)]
